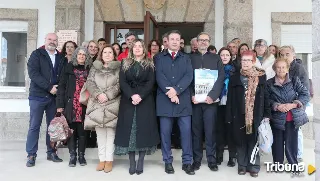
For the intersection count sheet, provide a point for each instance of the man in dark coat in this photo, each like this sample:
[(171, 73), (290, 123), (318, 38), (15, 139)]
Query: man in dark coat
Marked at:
[(44, 67), (205, 114), (174, 75)]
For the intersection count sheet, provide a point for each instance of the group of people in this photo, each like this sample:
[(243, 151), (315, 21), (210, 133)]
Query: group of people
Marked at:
[(137, 94)]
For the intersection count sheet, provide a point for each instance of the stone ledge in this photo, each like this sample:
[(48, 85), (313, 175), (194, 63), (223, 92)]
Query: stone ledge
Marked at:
[(15, 126), (14, 95), (292, 17), (18, 14)]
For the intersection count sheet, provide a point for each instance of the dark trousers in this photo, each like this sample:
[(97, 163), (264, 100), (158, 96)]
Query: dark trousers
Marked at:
[(224, 134), (37, 108), (79, 137), (185, 133), (204, 118), (175, 134), (91, 137), (245, 150), (285, 141)]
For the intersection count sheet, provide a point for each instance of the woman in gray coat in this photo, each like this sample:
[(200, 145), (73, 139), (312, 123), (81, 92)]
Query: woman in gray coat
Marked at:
[(288, 97), (103, 104)]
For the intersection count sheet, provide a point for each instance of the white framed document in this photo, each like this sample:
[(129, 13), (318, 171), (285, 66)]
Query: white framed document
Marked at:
[(204, 80)]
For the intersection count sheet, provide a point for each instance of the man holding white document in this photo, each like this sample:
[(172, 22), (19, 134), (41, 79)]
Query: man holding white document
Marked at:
[(205, 88)]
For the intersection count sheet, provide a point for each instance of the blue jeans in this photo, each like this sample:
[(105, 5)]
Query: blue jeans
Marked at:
[(37, 109)]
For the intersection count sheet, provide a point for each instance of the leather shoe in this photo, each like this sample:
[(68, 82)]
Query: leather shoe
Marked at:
[(54, 157), (241, 172), (196, 165), (169, 168), (213, 167), (188, 169), (31, 161), (253, 174), (231, 162)]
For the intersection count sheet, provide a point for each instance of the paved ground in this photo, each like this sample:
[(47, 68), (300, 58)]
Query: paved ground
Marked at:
[(13, 158)]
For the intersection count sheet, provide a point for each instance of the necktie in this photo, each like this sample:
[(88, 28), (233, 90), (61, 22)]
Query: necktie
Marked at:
[(173, 54)]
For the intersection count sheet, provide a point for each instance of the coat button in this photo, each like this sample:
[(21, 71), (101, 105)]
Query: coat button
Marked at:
[(172, 65), (173, 77)]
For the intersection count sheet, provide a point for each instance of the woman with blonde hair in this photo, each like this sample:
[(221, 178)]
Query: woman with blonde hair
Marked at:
[(137, 130), (103, 105)]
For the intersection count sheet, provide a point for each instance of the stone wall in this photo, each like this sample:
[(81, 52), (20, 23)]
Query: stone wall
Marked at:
[(70, 15), (168, 11), (316, 79), (238, 21)]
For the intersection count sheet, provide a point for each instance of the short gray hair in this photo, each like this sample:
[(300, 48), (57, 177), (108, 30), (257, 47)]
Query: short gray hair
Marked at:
[(193, 39), (74, 60), (204, 33), (130, 33)]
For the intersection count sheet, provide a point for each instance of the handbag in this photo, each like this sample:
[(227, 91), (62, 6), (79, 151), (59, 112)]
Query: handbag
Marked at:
[(84, 95)]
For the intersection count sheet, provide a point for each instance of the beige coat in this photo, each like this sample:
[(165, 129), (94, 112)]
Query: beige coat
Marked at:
[(103, 80)]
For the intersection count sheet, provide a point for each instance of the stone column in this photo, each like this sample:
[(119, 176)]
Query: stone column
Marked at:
[(316, 80), (238, 20), (70, 15)]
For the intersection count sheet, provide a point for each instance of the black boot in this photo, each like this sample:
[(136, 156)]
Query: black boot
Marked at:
[(72, 151), (73, 159), (81, 150)]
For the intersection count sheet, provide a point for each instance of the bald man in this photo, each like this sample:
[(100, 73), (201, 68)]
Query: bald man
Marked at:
[(44, 67)]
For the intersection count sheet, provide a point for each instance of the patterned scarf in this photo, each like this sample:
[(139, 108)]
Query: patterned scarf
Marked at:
[(227, 70), (253, 80)]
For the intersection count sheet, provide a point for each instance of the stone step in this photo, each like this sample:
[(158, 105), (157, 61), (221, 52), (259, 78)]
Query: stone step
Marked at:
[(14, 126)]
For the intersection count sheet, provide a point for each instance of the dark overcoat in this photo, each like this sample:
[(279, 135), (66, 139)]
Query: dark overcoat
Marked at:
[(177, 73), (147, 128), (235, 108), (65, 93)]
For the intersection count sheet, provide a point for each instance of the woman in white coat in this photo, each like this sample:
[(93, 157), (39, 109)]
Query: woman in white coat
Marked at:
[(266, 59)]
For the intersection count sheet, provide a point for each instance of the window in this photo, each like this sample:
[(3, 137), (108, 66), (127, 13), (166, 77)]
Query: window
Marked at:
[(121, 30), (300, 37), (13, 53)]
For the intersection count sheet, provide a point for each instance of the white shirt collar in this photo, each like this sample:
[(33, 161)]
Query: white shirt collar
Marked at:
[(55, 52), (170, 52)]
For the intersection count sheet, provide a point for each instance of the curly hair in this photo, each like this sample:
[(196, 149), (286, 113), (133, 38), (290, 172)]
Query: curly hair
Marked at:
[(64, 47), (74, 61)]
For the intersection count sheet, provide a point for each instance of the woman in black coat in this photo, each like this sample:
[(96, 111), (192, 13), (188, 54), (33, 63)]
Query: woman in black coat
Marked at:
[(137, 130), (72, 79), (288, 97), (247, 106)]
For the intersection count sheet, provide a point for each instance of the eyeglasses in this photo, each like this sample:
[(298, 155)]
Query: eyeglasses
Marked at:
[(204, 40)]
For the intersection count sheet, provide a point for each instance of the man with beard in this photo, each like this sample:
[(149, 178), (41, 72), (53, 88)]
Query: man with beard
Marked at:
[(44, 67), (204, 114)]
